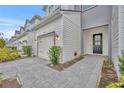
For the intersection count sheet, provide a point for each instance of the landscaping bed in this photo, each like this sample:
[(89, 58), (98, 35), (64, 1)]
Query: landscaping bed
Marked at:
[(7, 54), (10, 83), (108, 74), (61, 67)]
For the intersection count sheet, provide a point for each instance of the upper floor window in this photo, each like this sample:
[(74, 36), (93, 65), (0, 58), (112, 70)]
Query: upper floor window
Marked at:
[(51, 8), (87, 7)]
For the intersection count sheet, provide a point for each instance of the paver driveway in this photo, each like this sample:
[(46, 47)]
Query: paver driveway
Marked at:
[(33, 72)]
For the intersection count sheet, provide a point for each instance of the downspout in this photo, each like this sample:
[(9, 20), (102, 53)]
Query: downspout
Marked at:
[(54, 38), (110, 35), (82, 40)]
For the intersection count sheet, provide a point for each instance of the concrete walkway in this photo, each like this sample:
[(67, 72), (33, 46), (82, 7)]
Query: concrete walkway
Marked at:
[(34, 72)]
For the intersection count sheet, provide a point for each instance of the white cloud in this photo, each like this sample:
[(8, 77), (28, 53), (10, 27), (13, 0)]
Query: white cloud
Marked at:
[(5, 24), (8, 26), (8, 32), (11, 21)]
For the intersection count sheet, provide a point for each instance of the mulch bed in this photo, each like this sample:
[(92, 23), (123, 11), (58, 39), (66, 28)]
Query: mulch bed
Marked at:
[(108, 75), (10, 83), (61, 67)]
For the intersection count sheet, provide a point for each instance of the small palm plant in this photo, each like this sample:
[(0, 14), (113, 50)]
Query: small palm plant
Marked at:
[(54, 54)]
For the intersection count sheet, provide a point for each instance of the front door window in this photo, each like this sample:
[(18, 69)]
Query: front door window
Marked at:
[(97, 43)]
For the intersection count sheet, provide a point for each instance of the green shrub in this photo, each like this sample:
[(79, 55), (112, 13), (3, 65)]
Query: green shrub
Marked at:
[(54, 54), (27, 50), (121, 64), (2, 43), (119, 84), (7, 54)]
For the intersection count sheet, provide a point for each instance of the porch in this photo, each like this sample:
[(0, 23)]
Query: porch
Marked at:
[(95, 41)]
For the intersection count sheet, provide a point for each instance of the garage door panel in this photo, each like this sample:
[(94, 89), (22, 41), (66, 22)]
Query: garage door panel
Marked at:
[(44, 43)]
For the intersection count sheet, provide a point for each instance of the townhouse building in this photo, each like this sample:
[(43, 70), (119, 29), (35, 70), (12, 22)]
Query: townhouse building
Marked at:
[(78, 30), (25, 36)]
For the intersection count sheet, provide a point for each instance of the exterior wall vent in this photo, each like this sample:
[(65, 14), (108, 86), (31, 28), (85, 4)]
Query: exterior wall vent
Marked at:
[(75, 53)]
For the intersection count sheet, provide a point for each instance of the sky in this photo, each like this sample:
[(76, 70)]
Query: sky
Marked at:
[(14, 16)]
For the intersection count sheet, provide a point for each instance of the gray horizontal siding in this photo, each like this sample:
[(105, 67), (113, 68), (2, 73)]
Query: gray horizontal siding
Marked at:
[(115, 34), (121, 28), (71, 36)]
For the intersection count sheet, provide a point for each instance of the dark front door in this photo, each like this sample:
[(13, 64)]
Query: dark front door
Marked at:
[(97, 43)]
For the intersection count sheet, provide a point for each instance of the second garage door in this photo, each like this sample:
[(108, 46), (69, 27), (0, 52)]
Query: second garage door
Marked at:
[(44, 43)]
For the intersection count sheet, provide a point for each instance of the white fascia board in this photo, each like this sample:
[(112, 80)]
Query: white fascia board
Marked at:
[(47, 19)]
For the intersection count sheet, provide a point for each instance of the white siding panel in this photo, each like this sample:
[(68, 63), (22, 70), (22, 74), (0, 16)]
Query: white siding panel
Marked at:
[(100, 15), (115, 37), (20, 45), (30, 38), (121, 29), (115, 34), (71, 35), (55, 25)]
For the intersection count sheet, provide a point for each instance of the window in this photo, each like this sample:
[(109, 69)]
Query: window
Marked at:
[(51, 8), (87, 7)]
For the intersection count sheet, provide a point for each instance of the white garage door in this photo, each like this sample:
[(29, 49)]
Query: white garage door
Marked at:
[(44, 43)]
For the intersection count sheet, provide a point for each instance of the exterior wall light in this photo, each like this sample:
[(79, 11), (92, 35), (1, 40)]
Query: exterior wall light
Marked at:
[(57, 37)]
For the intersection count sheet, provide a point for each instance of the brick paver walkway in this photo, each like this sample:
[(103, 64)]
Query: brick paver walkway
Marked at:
[(34, 72)]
